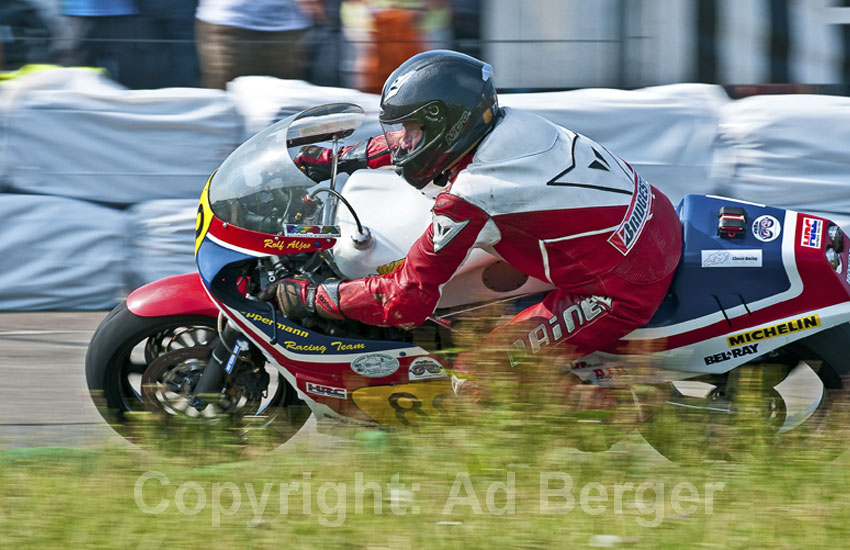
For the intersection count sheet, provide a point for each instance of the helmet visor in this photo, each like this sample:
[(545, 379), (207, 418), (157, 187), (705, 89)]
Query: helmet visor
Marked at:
[(404, 139)]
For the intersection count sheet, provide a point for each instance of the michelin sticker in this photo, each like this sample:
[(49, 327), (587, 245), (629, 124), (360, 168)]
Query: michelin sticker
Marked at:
[(772, 331), (766, 228), (424, 368), (375, 365), (732, 258)]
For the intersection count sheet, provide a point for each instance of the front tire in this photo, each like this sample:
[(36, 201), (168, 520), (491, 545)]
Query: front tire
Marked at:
[(126, 348)]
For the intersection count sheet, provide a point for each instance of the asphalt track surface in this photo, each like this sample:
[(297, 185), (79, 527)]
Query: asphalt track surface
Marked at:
[(44, 400)]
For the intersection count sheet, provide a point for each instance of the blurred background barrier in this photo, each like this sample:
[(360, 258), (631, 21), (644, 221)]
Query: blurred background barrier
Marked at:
[(666, 132), (61, 254), (99, 183), (789, 150), (161, 239), (91, 141)]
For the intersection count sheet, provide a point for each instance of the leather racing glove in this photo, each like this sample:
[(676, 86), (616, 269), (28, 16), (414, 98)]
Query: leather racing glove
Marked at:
[(300, 298), (316, 161)]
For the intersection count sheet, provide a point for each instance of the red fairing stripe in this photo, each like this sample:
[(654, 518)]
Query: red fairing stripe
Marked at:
[(261, 242)]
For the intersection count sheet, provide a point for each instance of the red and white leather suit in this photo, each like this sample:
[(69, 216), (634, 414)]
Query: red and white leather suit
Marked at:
[(555, 205)]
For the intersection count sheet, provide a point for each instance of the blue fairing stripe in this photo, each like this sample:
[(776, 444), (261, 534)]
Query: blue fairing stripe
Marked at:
[(212, 257)]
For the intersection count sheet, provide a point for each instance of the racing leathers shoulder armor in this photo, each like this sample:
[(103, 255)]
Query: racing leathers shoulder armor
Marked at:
[(552, 203)]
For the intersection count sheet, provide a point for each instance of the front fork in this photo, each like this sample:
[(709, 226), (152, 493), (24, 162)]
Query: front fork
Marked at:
[(222, 362)]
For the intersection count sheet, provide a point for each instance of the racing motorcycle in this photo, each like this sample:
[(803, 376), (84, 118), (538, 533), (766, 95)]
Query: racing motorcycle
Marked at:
[(758, 307)]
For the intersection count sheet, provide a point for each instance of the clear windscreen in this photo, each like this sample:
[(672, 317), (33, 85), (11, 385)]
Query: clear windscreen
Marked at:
[(258, 187)]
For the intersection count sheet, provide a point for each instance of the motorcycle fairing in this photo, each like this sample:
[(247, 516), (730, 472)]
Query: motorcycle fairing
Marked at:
[(309, 359), (296, 343), (333, 371), (714, 355), (293, 239), (700, 293), (810, 296), (811, 284)]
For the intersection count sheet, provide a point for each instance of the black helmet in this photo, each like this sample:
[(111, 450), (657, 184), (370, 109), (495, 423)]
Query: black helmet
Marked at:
[(450, 97)]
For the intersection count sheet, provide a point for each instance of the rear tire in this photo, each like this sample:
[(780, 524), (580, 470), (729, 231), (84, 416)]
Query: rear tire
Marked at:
[(755, 422)]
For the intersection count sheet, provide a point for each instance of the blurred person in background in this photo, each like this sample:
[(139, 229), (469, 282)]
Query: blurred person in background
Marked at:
[(104, 33), (466, 26), (327, 43), (251, 37), (26, 33), (387, 32), (552, 203), (168, 35)]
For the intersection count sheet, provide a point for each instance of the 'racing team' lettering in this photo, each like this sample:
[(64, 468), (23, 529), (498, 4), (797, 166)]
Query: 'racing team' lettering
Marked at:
[(794, 325), (338, 346), (295, 346)]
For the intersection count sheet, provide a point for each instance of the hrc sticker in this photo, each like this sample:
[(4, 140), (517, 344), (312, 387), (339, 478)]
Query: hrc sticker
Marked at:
[(766, 228), (326, 391), (812, 232)]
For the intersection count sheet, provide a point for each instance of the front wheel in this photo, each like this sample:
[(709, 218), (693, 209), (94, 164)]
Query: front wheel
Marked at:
[(142, 370)]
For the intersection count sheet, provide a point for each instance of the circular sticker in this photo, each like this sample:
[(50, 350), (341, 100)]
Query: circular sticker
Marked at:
[(766, 228), (375, 365), (425, 367)]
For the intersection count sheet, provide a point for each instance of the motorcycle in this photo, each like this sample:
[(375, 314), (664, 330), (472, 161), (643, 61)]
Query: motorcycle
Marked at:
[(754, 324)]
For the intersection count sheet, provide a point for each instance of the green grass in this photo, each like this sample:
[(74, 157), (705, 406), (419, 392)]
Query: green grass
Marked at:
[(55, 498)]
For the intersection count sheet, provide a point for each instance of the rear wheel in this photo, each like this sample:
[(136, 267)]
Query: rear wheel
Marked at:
[(795, 401), (142, 370)]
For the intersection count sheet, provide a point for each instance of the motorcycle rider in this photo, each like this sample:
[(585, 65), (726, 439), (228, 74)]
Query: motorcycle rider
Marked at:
[(550, 202)]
